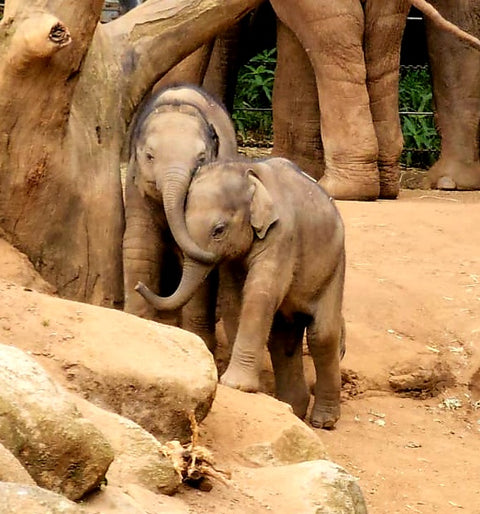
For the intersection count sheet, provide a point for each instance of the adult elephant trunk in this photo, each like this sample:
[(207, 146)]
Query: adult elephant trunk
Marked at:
[(175, 186), (193, 275)]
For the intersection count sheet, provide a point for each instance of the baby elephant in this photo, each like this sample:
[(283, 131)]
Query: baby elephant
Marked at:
[(279, 243)]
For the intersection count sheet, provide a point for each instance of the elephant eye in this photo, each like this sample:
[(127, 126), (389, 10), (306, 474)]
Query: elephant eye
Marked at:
[(219, 230), (149, 156), (202, 159)]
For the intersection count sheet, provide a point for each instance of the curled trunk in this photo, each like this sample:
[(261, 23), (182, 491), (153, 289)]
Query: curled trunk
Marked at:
[(193, 275), (175, 187)]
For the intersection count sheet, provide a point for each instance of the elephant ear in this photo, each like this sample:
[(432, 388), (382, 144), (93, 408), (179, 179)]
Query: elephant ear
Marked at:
[(263, 213)]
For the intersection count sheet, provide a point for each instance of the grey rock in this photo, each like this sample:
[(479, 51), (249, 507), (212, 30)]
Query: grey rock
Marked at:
[(11, 470), (133, 499), (295, 444), (42, 428), (316, 487), (27, 499), (138, 456)]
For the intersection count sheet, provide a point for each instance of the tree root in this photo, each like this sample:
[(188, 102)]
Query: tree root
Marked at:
[(194, 463)]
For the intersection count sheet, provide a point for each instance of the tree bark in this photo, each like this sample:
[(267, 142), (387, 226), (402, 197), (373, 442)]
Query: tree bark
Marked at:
[(68, 89)]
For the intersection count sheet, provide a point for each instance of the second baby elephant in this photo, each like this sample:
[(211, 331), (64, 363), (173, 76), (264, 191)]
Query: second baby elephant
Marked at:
[(279, 243), (178, 129)]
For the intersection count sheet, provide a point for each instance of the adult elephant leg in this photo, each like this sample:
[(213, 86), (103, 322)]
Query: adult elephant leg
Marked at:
[(333, 38), (221, 74), (286, 352), (198, 315), (384, 25), (190, 70), (296, 116), (325, 338), (456, 86)]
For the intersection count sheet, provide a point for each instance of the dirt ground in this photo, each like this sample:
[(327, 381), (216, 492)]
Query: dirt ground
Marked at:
[(410, 425), (412, 305)]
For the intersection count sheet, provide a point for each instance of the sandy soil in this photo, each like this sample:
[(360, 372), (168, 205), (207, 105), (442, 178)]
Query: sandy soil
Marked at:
[(412, 306)]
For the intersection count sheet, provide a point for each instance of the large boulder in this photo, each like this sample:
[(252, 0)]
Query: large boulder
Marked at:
[(17, 269), (43, 429), (11, 470), (138, 455), (316, 487), (259, 430), (27, 499), (153, 374), (133, 499)]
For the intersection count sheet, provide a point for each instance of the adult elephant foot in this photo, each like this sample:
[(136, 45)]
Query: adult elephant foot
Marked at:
[(237, 377), (325, 415), (389, 182), (344, 188), (452, 174)]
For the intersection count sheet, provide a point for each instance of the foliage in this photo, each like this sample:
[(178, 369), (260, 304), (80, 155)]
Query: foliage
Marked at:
[(253, 119), (252, 113), (421, 140)]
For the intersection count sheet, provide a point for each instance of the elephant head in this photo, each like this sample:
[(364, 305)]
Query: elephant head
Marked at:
[(227, 208), (180, 130)]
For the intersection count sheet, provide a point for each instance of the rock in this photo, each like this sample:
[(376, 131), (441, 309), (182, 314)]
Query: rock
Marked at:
[(295, 444), (62, 451), (138, 455), (11, 470), (316, 487), (133, 499), (150, 373), (18, 269), (27, 499), (423, 377), (243, 416)]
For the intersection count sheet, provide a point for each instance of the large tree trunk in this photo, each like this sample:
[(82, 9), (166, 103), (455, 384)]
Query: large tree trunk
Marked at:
[(68, 90)]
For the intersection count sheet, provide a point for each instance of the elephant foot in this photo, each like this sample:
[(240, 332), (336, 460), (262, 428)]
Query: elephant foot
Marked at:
[(448, 174), (325, 416), (389, 182), (342, 188), (238, 378), (299, 401), (446, 183)]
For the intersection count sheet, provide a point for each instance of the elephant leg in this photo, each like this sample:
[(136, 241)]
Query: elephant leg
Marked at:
[(231, 282), (333, 38), (259, 301), (325, 338), (190, 70), (456, 86), (142, 251), (146, 255), (384, 25), (198, 315), (286, 351), (296, 117), (221, 74)]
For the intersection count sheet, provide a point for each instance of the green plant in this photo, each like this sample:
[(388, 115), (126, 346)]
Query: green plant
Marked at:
[(421, 139), (253, 99)]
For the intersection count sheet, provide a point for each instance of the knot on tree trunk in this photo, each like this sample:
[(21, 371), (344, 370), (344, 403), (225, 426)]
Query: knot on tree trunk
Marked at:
[(38, 37), (60, 35)]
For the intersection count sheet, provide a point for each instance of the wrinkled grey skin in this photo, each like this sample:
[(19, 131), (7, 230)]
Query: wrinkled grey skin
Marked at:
[(177, 130), (456, 89), (279, 243)]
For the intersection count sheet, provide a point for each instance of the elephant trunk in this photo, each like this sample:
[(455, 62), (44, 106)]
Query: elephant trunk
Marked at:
[(175, 188), (193, 275)]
